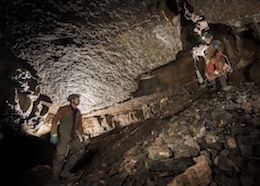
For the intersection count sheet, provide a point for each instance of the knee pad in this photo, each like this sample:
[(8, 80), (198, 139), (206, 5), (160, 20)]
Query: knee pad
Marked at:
[(81, 152)]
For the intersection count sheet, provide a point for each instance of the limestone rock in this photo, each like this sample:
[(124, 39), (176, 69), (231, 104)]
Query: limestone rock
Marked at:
[(211, 138), (170, 165), (231, 142), (183, 150), (226, 164), (222, 116), (201, 133), (198, 174), (159, 152)]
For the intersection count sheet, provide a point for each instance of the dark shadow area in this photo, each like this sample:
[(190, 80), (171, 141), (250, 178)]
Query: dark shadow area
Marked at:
[(85, 160), (246, 73), (251, 35), (21, 152), (172, 6)]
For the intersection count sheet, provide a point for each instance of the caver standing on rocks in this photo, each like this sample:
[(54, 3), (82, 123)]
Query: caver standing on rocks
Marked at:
[(216, 66), (70, 134)]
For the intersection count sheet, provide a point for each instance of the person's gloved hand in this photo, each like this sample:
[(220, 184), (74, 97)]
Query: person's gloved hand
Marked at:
[(83, 138), (54, 139)]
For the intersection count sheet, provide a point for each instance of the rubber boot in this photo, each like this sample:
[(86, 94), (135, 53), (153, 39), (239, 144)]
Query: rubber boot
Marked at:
[(57, 165), (223, 81), (65, 173), (213, 84), (56, 169)]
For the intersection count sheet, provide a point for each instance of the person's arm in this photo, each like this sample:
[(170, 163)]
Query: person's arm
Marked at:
[(218, 45), (80, 131), (80, 124), (55, 121), (211, 52)]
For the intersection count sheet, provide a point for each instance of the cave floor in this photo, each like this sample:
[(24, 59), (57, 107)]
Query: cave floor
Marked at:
[(220, 127)]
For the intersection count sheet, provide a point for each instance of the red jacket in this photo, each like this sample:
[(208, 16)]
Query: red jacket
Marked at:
[(68, 123)]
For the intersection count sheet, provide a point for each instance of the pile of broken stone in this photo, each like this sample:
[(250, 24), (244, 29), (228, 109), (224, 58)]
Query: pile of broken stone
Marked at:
[(216, 141)]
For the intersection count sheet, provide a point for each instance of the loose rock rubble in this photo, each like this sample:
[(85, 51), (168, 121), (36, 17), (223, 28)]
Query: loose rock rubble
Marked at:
[(215, 141)]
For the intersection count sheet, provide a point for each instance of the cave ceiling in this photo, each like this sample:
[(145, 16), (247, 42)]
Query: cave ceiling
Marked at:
[(94, 48), (238, 14)]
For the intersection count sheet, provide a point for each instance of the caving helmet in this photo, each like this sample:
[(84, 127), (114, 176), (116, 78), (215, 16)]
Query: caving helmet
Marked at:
[(73, 96), (207, 35)]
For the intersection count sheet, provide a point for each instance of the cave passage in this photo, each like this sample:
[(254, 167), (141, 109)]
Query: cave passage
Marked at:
[(149, 111)]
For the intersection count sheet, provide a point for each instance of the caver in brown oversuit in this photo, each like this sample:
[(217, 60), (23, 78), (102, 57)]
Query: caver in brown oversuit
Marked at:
[(216, 66), (67, 135), (70, 122)]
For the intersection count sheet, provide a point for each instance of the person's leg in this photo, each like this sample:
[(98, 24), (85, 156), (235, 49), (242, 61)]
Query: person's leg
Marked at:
[(214, 84), (58, 162), (78, 151), (211, 80), (223, 81)]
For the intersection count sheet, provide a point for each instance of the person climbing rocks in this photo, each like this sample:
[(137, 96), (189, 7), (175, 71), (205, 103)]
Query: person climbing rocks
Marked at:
[(216, 66), (69, 134)]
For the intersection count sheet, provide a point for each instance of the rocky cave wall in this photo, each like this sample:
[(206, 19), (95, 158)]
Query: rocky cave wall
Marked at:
[(92, 48), (84, 48), (119, 55)]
